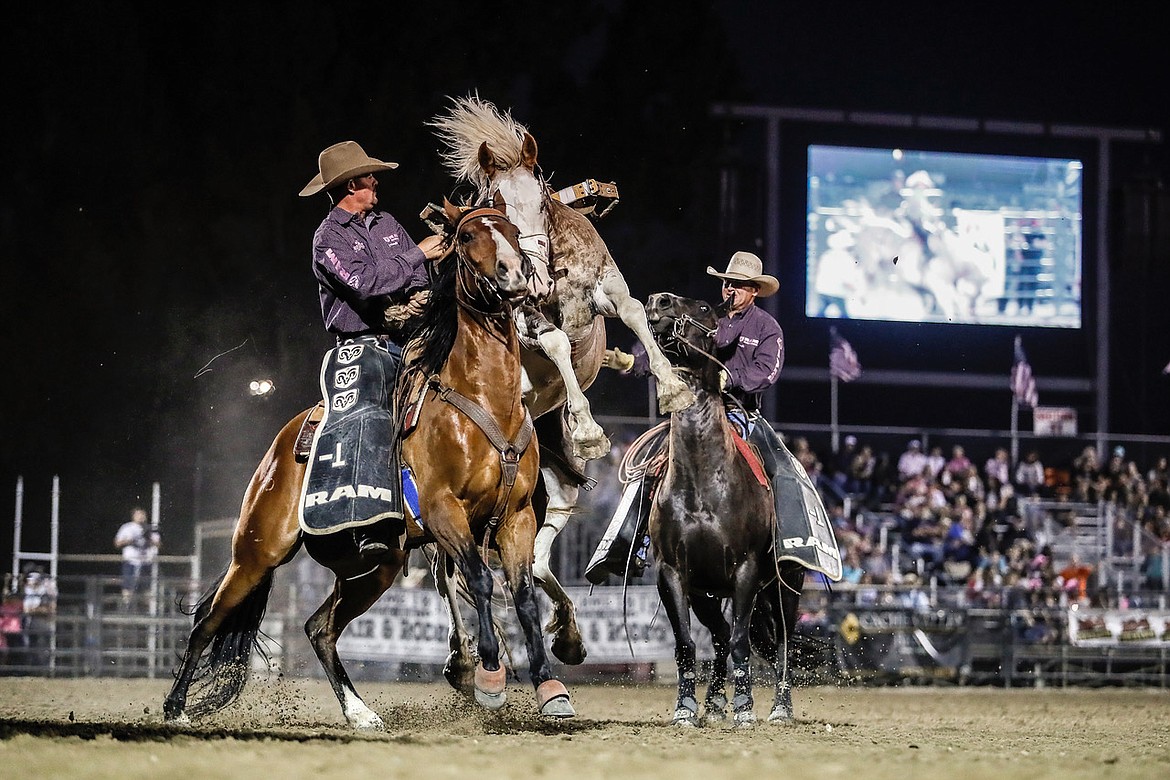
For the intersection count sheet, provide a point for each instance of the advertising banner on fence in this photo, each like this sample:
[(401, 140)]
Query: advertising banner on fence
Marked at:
[(412, 624), (1116, 628), (1054, 421), (900, 642)]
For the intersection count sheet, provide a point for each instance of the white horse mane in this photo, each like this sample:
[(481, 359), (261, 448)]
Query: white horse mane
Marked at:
[(469, 122)]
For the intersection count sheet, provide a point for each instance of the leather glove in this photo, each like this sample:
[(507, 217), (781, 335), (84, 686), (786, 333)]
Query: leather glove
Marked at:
[(724, 381), (618, 360)]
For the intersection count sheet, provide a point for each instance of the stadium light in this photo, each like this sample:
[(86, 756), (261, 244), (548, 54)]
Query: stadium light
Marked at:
[(261, 388)]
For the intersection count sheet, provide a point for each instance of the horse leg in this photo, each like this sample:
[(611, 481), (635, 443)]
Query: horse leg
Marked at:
[(742, 602), (515, 540), (709, 611), (459, 670), (567, 644), (349, 599), (674, 600), (589, 439), (790, 586), (673, 394), (455, 537)]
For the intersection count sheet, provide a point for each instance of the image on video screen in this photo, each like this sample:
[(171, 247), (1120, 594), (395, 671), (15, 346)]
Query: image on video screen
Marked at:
[(944, 237)]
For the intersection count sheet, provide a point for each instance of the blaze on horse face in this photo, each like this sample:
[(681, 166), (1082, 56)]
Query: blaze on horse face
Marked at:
[(488, 241)]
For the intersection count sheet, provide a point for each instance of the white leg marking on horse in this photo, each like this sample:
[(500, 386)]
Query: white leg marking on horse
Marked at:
[(589, 440), (359, 715)]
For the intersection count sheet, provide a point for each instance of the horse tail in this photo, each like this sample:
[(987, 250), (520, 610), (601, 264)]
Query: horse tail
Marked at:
[(222, 672)]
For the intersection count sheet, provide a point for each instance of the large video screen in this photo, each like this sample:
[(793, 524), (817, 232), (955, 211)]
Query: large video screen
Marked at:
[(913, 236)]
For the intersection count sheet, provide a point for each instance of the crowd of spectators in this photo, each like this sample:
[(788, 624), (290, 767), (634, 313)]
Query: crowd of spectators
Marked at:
[(932, 515)]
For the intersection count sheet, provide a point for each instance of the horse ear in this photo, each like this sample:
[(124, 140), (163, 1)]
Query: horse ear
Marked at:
[(486, 162), (451, 211), (499, 203), (528, 151), (722, 307)]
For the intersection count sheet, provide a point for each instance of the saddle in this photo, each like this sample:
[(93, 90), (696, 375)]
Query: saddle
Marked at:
[(304, 443)]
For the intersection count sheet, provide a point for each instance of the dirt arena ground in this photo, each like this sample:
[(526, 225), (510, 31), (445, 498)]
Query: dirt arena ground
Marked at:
[(294, 729)]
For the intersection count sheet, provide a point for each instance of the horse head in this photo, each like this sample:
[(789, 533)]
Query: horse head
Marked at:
[(488, 250), (685, 330)]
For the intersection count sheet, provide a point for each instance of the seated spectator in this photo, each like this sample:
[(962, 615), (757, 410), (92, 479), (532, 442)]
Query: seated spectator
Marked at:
[(1086, 476), (998, 467), (843, 461), (1160, 470), (936, 461), (1030, 475), (1074, 579), (926, 538), (959, 463), (861, 469), (912, 461)]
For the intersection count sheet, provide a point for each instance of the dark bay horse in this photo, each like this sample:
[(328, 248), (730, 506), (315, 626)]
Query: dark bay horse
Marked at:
[(712, 529), (475, 470), (563, 336)]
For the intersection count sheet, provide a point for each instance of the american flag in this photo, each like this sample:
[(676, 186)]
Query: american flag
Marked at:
[(1023, 383), (843, 362)]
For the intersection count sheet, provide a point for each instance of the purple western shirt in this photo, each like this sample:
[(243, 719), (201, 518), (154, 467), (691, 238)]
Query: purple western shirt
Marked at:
[(758, 344), (360, 264)]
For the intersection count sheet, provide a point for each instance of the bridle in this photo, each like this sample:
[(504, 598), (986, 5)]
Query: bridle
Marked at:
[(472, 285)]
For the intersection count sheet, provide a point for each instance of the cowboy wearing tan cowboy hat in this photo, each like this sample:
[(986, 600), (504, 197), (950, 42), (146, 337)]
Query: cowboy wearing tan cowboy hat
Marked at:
[(372, 281), (750, 345)]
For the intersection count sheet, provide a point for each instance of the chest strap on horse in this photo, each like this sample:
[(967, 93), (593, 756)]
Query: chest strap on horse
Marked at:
[(510, 451)]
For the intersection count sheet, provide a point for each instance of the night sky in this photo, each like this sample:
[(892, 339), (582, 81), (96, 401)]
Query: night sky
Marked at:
[(157, 253)]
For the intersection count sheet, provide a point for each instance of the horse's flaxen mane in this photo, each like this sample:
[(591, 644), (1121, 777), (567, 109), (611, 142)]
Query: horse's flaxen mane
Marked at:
[(468, 123)]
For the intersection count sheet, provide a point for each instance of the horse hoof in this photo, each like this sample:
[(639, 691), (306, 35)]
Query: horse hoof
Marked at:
[(489, 687), (780, 715), (178, 720), (675, 399), (745, 719), (367, 722), (716, 708), (685, 718), (491, 701), (569, 652), (592, 448), (553, 699)]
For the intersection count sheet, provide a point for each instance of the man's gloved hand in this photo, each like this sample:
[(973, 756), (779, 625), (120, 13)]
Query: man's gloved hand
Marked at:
[(618, 360), (724, 380)]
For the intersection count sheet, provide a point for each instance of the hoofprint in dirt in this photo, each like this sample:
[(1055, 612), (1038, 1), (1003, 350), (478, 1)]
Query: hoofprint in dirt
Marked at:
[(291, 728)]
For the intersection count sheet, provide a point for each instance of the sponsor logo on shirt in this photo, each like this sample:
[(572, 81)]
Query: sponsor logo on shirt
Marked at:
[(392, 240), (748, 341), (358, 246)]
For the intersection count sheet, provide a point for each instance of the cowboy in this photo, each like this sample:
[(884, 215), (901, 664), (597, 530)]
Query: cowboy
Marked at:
[(750, 344), (372, 281)]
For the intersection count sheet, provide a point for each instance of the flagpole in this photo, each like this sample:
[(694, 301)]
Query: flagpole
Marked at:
[(833, 403), (1015, 431)]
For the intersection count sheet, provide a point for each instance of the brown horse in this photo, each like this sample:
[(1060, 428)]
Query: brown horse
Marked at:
[(564, 335), (713, 531), (475, 473)]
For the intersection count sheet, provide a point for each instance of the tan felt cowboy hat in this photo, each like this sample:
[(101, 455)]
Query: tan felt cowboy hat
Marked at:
[(746, 267), (340, 162)]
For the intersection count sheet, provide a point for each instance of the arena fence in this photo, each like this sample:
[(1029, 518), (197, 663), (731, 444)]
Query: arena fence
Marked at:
[(861, 636)]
